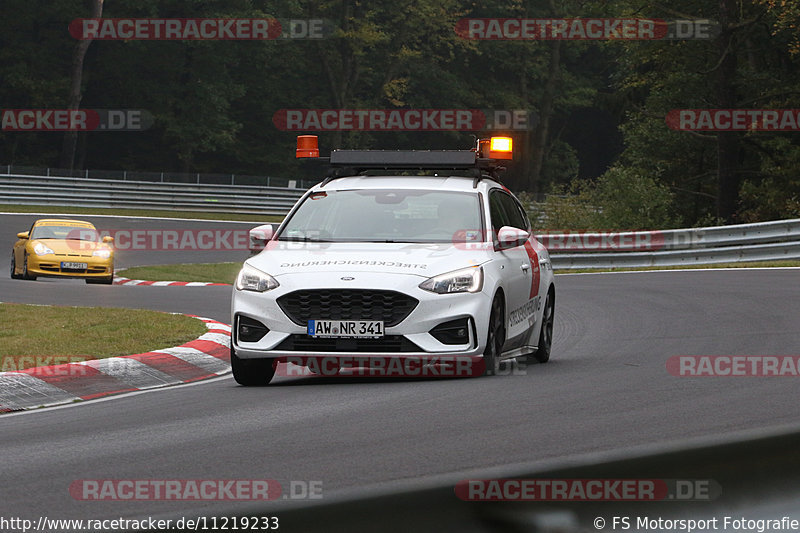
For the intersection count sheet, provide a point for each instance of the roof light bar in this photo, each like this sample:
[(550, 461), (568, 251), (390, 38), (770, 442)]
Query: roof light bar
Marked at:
[(403, 158), (477, 162)]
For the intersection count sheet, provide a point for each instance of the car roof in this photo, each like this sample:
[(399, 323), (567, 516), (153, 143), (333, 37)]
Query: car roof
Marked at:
[(435, 183), (52, 221)]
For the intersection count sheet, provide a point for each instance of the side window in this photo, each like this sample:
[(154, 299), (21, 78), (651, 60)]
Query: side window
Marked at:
[(497, 211), (515, 216), (526, 224)]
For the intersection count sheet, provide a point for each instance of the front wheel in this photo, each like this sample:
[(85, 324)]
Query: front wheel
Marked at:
[(495, 338), (251, 372), (14, 275), (25, 274), (100, 281)]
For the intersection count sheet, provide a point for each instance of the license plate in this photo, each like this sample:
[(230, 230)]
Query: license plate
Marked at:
[(65, 265), (345, 328)]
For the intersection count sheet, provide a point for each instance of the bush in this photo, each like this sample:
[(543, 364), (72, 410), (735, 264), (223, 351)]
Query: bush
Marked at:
[(621, 199)]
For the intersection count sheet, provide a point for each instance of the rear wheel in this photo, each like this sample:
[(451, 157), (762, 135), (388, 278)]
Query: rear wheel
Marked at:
[(251, 372), (495, 339), (542, 354), (14, 275)]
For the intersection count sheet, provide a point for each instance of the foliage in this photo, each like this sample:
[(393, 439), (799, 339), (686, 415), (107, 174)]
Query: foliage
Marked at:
[(621, 199), (600, 135)]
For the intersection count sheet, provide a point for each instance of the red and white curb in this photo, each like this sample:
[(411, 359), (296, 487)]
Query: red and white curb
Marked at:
[(128, 281), (205, 357)]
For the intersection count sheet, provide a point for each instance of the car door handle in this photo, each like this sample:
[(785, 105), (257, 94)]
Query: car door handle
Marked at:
[(525, 267)]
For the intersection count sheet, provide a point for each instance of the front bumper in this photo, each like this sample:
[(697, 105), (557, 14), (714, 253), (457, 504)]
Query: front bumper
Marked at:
[(50, 265), (412, 334)]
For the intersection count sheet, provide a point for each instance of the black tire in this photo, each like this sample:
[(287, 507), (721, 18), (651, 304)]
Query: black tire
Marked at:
[(545, 346), (495, 338), (251, 372), (25, 274), (100, 281), (14, 267)]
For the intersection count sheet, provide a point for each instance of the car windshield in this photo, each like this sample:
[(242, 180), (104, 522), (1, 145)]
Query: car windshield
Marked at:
[(381, 215), (77, 233)]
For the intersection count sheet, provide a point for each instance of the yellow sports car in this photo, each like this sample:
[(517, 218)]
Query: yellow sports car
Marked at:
[(63, 248)]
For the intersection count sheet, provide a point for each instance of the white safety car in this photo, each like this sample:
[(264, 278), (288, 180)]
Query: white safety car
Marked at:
[(376, 263)]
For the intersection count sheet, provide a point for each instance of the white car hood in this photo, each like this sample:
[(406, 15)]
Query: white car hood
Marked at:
[(425, 260)]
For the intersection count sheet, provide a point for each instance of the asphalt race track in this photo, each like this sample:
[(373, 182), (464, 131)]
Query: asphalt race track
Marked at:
[(605, 389)]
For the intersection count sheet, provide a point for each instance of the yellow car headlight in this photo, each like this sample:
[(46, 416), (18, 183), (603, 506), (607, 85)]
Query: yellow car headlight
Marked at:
[(41, 249)]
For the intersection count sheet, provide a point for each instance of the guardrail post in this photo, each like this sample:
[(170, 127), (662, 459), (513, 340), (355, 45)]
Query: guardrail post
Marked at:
[(124, 175), (48, 172), (267, 181), (198, 178), (232, 183), (87, 174), (162, 177)]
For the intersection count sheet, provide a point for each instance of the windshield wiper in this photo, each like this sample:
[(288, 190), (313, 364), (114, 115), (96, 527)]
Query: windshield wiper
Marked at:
[(303, 239)]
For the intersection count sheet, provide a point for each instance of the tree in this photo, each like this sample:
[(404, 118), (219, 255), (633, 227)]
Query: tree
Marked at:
[(76, 89)]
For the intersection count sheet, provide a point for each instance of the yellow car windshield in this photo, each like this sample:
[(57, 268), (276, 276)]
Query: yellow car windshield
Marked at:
[(78, 233)]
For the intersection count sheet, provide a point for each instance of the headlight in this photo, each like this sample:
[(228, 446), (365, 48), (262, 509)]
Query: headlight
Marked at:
[(252, 279), (41, 249), (105, 253), (468, 279)]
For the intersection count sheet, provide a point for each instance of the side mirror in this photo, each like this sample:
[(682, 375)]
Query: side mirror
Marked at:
[(108, 239), (509, 237), (23, 235), (259, 236)]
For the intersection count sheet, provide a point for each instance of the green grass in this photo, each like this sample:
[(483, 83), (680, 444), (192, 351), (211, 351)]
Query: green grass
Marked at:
[(210, 272), (79, 333), (48, 210), (752, 264)]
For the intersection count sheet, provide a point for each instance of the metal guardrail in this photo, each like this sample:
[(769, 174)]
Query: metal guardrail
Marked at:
[(763, 241), (83, 192), (198, 178)]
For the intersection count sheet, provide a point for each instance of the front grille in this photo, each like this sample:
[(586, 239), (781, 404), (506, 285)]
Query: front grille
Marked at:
[(347, 304), (387, 344)]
